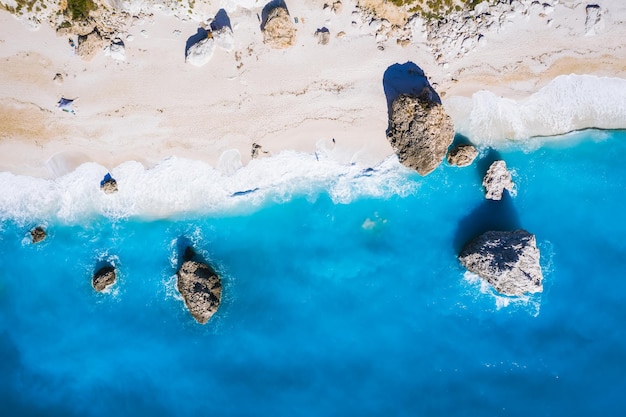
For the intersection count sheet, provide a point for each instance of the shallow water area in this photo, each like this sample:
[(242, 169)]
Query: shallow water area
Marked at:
[(342, 294)]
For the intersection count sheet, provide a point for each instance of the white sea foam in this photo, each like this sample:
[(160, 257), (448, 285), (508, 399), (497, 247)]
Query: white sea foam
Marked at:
[(567, 103), (177, 186)]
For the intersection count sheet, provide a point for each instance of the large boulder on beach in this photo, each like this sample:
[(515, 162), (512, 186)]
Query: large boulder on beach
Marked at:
[(37, 234), (201, 289), (462, 155), (496, 180), (116, 50), (89, 45), (103, 278), (508, 260), (279, 31), (201, 52), (420, 131)]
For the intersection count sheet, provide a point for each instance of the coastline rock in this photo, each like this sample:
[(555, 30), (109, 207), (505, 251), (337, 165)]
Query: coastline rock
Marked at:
[(462, 155), (89, 45), (279, 31), (201, 52), (593, 20), (323, 36), (200, 288), (508, 260), (108, 184), (496, 180), (420, 131), (103, 278), (37, 234)]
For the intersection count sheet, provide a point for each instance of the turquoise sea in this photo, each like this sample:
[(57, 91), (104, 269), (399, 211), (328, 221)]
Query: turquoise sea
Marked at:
[(342, 291)]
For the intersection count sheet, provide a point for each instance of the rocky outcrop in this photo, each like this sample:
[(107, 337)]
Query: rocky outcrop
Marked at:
[(279, 31), (108, 184), (508, 260), (496, 180), (201, 289), (323, 36), (37, 234), (462, 155), (201, 52), (103, 278), (420, 131), (89, 45)]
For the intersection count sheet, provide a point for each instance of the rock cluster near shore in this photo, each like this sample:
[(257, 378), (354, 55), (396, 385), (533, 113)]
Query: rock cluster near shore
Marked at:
[(462, 155), (508, 260), (420, 131)]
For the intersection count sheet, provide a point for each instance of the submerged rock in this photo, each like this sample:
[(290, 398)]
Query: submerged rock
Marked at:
[(462, 155), (201, 289), (103, 278), (37, 234), (278, 30), (496, 180), (420, 131), (508, 260)]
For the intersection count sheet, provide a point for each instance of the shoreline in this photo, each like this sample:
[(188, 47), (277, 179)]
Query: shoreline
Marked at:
[(153, 105)]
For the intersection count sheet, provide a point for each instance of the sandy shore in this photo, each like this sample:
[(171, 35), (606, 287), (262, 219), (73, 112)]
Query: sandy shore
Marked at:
[(154, 105)]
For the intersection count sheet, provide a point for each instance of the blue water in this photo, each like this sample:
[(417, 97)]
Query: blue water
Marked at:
[(333, 309)]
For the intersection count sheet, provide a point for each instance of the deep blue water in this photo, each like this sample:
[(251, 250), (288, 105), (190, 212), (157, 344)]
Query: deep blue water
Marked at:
[(333, 309)]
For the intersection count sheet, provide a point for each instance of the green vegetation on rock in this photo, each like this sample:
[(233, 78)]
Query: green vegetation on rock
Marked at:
[(437, 9), (79, 9)]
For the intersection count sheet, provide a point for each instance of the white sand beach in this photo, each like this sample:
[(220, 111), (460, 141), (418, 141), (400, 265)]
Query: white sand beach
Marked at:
[(153, 105)]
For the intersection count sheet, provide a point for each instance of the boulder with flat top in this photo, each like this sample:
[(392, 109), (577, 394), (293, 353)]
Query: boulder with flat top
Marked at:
[(201, 289)]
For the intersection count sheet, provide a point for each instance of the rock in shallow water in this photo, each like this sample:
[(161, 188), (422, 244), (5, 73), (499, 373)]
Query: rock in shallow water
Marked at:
[(201, 289), (496, 180), (420, 131), (37, 234), (508, 260), (462, 155), (103, 278)]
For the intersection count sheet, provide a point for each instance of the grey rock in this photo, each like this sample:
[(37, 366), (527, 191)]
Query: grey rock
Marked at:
[(109, 186), (508, 260), (103, 278), (420, 131), (89, 45), (462, 155), (201, 289), (37, 234), (496, 180)]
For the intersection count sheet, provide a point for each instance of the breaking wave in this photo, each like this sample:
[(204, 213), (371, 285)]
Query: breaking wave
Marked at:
[(177, 186), (567, 103)]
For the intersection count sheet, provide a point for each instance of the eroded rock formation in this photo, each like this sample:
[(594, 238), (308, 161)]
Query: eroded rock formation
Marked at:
[(200, 287), (420, 131), (37, 234), (508, 260), (103, 278), (496, 180), (462, 155), (278, 30)]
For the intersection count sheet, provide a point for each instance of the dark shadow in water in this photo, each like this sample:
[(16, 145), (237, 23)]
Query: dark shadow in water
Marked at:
[(221, 20), (269, 7), (460, 139), (405, 78), (488, 215), (194, 39)]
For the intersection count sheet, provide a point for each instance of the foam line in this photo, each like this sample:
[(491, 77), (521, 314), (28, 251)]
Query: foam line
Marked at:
[(566, 104)]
